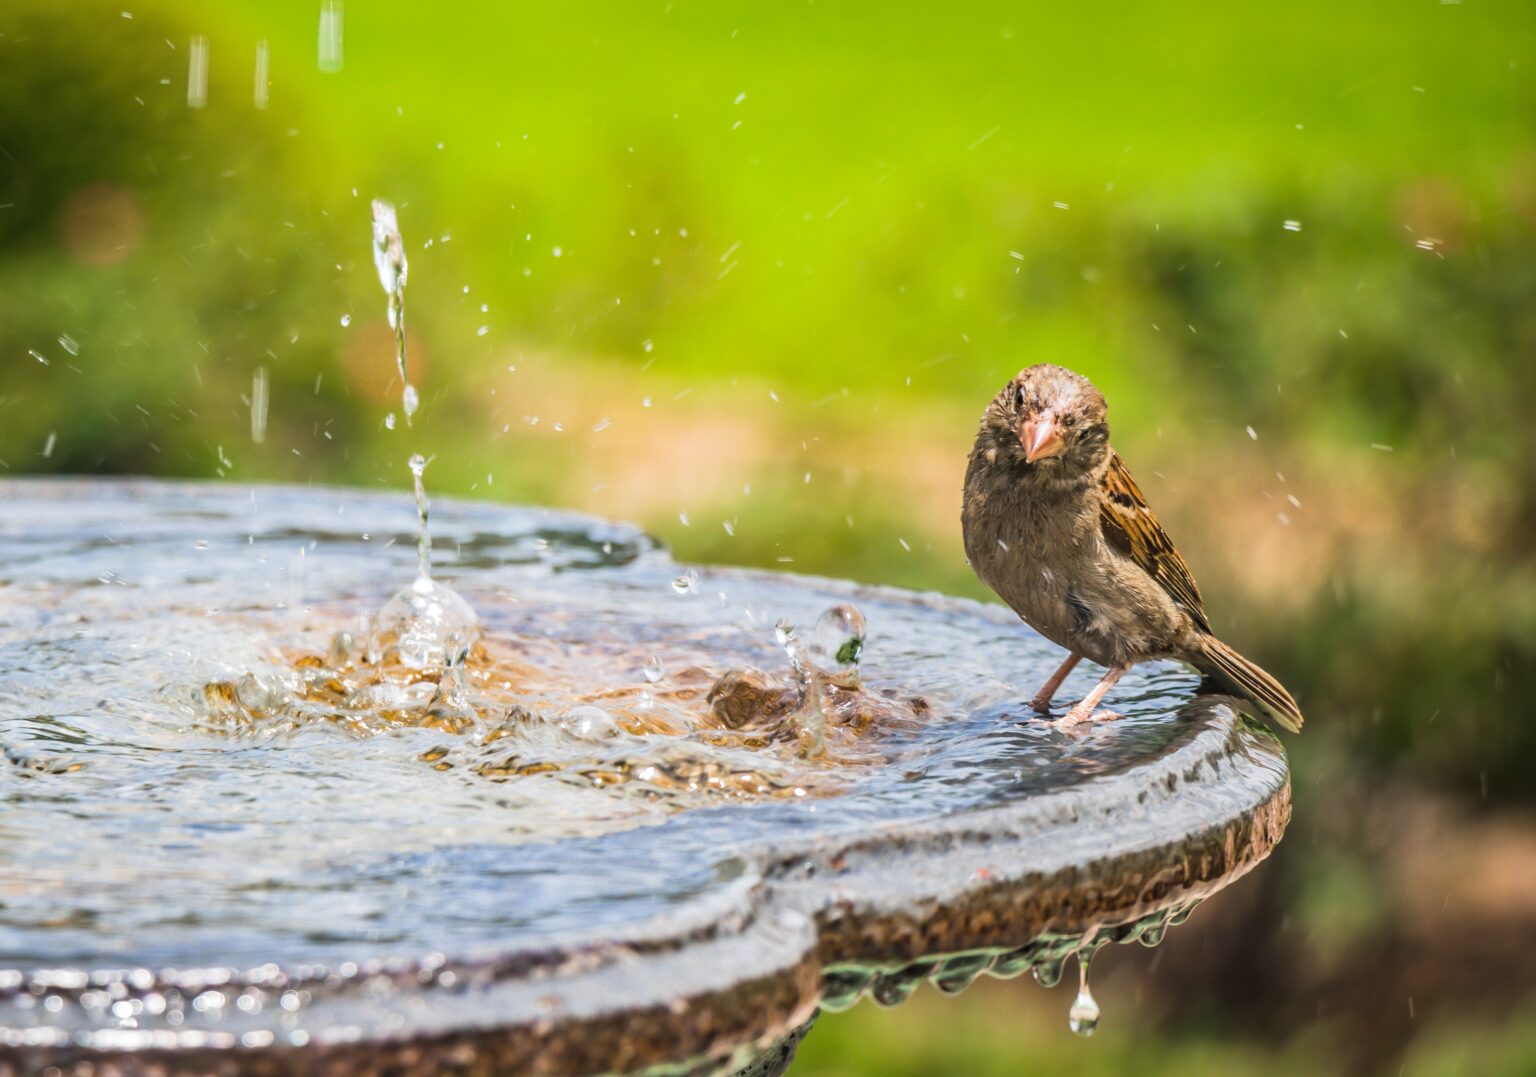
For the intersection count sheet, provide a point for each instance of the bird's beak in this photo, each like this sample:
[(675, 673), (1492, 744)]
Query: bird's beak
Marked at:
[(1041, 437)]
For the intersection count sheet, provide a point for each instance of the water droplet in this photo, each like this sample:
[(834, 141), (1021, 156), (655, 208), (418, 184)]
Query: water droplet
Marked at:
[(1083, 1018), (69, 344), (687, 583), (346, 320), (838, 637), (653, 669), (410, 401), (1292, 226), (389, 421)]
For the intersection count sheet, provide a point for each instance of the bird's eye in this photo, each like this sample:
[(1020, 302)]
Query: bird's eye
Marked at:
[(1018, 398), (1068, 421)]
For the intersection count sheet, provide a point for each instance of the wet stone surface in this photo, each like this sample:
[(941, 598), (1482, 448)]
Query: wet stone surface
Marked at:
[(634, 824)]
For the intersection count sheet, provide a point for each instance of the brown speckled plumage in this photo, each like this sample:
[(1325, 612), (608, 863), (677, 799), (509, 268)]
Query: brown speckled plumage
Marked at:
[(1055, 525)]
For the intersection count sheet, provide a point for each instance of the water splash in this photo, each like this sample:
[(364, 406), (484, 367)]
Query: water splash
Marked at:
[(426, 625), (389, 260), (809, 719)]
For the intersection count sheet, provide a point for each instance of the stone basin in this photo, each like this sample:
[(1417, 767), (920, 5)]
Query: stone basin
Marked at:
[(204, 868)]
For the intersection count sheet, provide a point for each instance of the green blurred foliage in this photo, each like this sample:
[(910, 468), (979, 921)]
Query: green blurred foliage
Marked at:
[(667, 212)]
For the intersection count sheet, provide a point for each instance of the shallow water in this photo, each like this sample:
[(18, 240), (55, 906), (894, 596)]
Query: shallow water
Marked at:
[(139, 831)]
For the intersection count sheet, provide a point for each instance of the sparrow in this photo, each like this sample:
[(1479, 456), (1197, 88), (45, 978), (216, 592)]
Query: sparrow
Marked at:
[(1055, 524)]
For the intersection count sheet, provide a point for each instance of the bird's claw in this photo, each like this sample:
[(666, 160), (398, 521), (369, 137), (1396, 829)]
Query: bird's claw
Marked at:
[(1077, 717)]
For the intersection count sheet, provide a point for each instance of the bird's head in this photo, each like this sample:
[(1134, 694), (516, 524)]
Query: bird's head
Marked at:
[(1050, 422)]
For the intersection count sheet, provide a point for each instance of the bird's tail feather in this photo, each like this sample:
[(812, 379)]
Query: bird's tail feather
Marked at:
[(1242, 678)]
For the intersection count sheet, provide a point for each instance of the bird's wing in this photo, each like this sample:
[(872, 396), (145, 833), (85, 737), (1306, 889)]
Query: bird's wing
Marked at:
[(1130, 528)]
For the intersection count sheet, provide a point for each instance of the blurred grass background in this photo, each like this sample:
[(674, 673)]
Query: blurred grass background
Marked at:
[(747, 274)]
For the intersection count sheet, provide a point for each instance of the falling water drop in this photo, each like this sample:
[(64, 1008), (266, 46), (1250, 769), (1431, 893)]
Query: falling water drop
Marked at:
[(197, 73), (331, 12), (263, 73), (389, 260), (687, 583), (346, 320), (259, 405), (1084, 1015), (653, 669)]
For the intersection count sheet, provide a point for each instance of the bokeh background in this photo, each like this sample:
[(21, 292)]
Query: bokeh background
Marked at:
[(747, 273)]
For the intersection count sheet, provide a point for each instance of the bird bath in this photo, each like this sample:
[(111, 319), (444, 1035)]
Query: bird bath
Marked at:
[(224, 843)]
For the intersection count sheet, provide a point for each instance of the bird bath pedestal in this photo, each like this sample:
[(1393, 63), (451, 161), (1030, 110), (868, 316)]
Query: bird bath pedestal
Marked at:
[(230, 847)]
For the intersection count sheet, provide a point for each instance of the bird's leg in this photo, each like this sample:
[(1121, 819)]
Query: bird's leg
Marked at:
[(1042, 701), (1083, 711)]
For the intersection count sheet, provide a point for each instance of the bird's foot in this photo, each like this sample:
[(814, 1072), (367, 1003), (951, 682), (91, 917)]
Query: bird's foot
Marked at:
[(1041, 704), (1080, 715)]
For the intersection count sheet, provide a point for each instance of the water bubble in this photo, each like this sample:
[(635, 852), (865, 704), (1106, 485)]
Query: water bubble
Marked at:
[(427, 625), (838, 637), (653, 669), (589, 723), (687, 583)]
